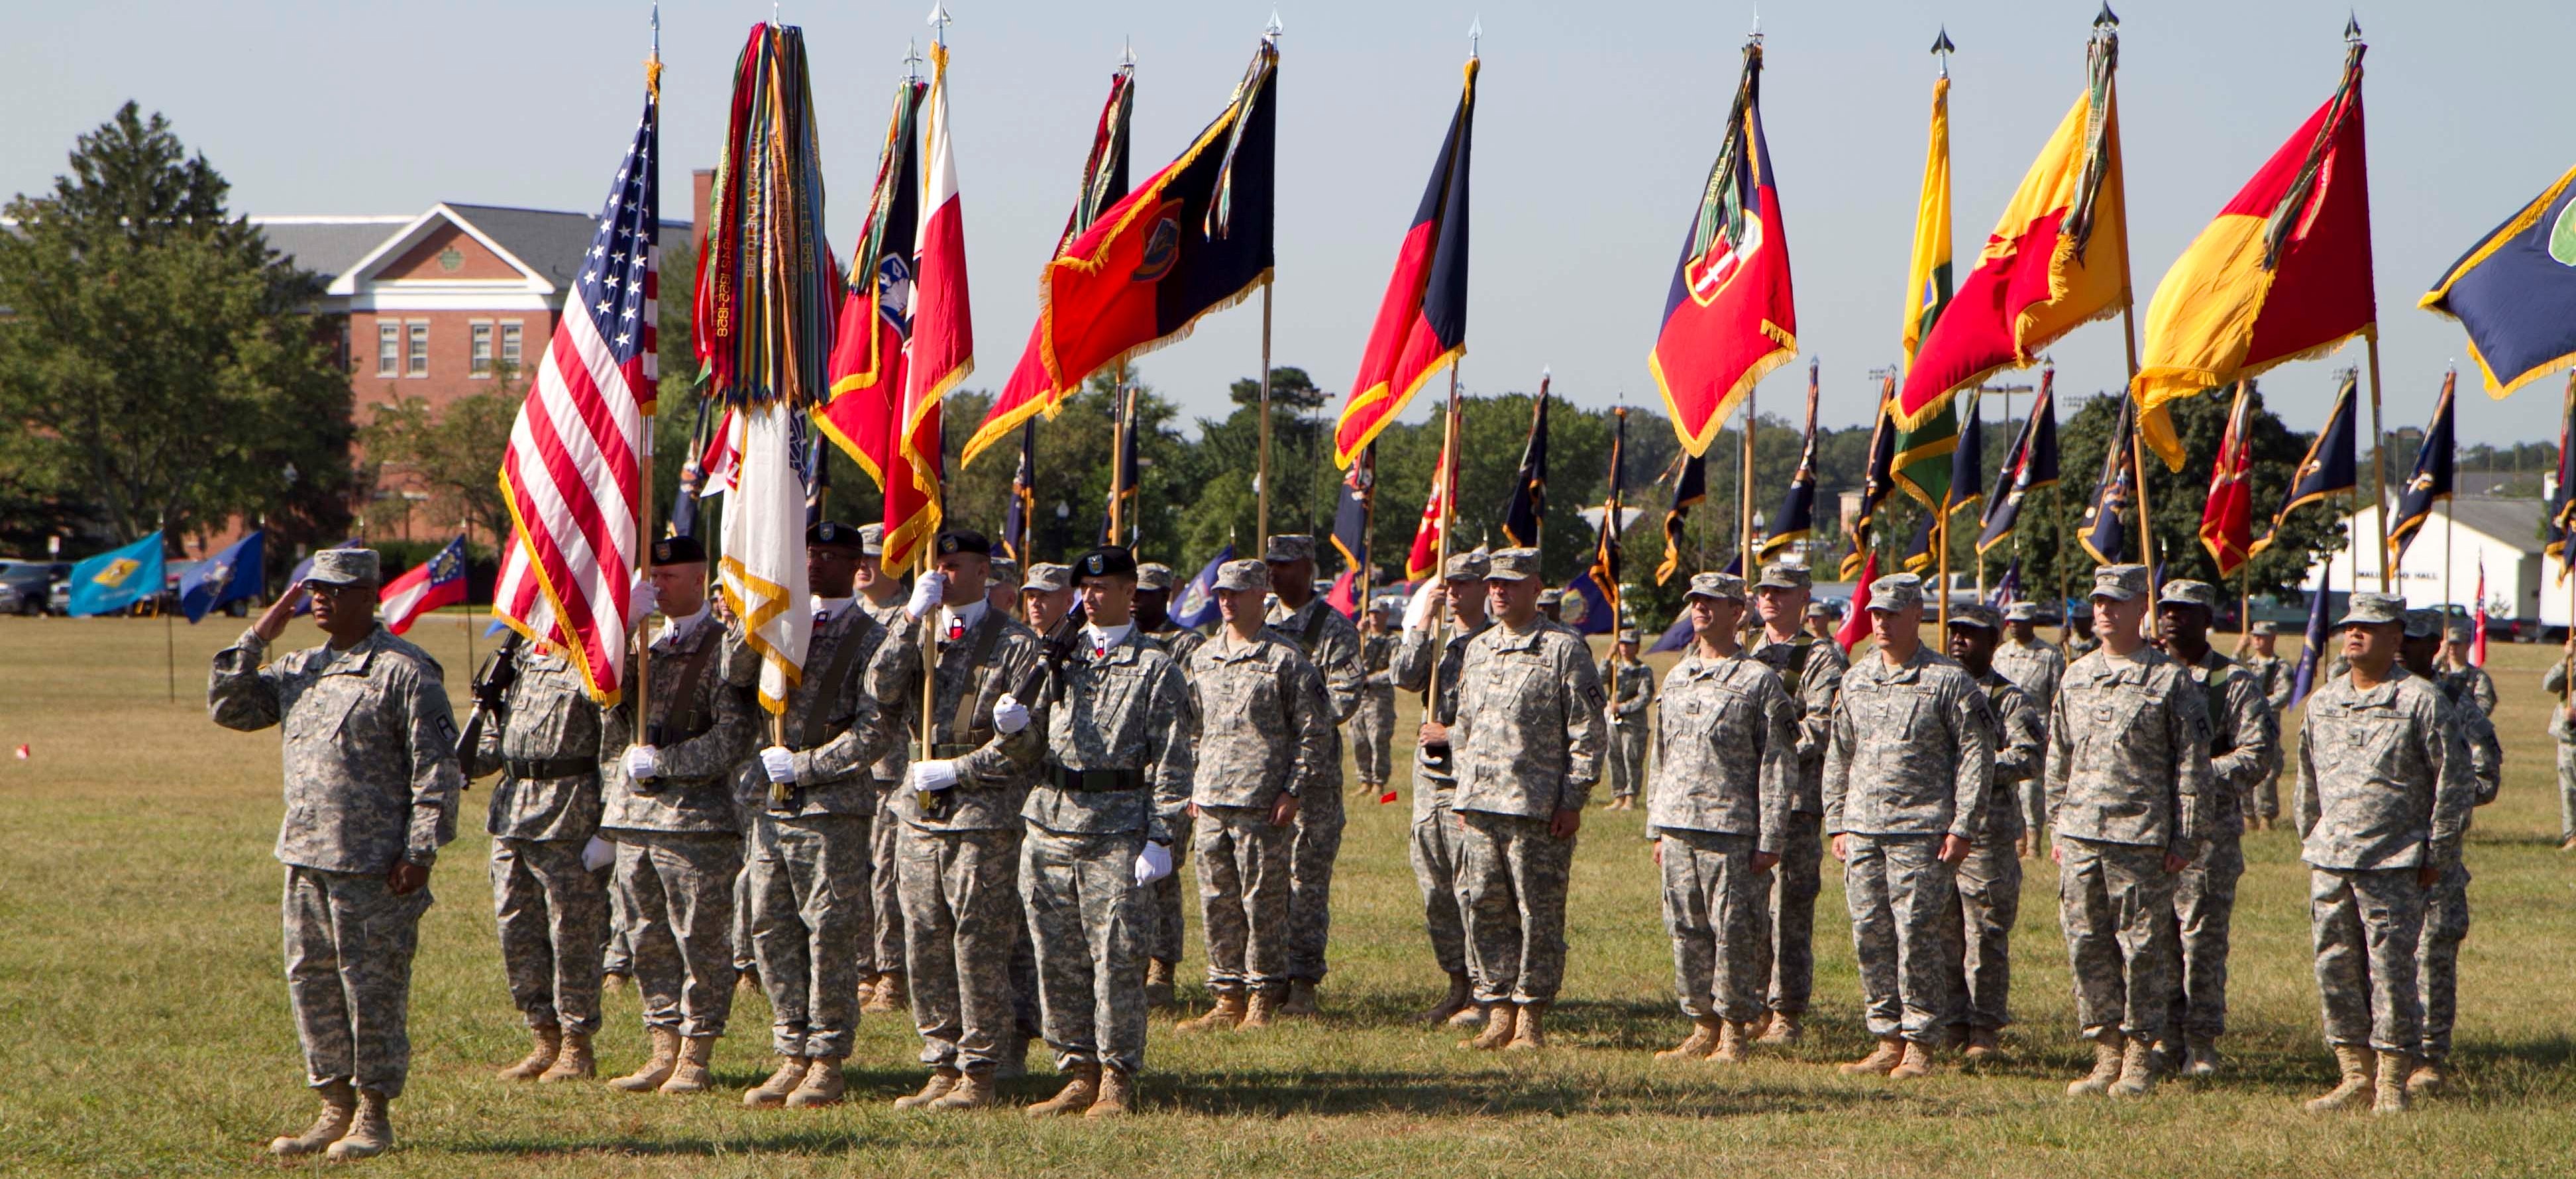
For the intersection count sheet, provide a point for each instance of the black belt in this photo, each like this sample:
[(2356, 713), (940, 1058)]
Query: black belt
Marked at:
[(561, 767), (1094, 781)]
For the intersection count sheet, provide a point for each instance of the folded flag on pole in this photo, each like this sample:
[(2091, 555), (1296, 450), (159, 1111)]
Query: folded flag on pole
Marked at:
[(1855, 625), (117, 578), (871, 341), (2478, 620), (1920, 557), (2282, 274), (2515, 292), (1796, 519), (1022, 507), (1422, 319), (1423, 559), (1195, 606), (1690, 487), (2435, 463), (1877, 479), (1968, 457), (2312, 644), (2007, 587), (1527, 511), (2056, 260), (2104, 531), (2029, 465), (1605, 573), (229, 576), (2330, 467), (438, 581), (2227, 520), (1351, 509), (2561, 506), (1730, 316)]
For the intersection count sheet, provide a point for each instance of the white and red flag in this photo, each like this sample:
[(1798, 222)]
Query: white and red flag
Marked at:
[(438, 581), (942, 350), (1423, 560), (2478, 621)]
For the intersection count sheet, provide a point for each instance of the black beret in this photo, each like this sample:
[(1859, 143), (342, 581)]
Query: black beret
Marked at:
[(962, 540), (832, 534), (678, 550), (1108, 560)]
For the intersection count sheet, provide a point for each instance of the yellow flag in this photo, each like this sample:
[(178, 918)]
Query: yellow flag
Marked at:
[(1927, 285)]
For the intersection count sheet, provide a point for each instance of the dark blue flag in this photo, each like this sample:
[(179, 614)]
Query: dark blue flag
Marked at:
[(2515, 292), (1352, 507), (2330, 467), (229, 576), (1676, 636), (2030, 465), (2431, 481), (1195, 605), (1528, 508), (2312, 650), (1599, 616)]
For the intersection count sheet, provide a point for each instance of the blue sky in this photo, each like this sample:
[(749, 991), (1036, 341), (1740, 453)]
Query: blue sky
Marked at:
[(1594, 130)]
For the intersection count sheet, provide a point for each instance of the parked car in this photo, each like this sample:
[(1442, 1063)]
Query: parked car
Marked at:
[(25, 585)]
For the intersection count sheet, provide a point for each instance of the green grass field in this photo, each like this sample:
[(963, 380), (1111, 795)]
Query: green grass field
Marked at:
[(144, 1030)]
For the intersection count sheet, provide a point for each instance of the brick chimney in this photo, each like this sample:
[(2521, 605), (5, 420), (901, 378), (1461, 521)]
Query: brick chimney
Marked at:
[(702, 185)]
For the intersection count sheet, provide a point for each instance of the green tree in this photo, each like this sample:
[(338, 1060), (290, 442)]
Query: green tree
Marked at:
[(454, 454), (161, 366)]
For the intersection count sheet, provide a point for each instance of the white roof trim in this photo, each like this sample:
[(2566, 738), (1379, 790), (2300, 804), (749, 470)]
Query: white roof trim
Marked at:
[(412, 234)]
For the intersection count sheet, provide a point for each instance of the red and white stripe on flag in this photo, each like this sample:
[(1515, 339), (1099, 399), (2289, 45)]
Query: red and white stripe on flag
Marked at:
[(942, 350)]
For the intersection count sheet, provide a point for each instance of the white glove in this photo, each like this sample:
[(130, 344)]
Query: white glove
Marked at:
[(642, 762), (926, 594), (597, 854), (934, 775), (1009, 715), (1152, 864), (640, 601), (779, 763)]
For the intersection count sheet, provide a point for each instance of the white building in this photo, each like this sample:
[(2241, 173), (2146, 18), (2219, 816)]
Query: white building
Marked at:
[(2502, 536)]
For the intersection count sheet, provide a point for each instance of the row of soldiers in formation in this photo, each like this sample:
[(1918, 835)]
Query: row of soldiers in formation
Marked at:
[(997, 853)]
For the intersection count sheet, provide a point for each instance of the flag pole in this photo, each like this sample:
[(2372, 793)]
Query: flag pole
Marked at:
[(1118, 472), (1744, 494), (1447, 491), (2065, 616), (2137, 440), (644, 498), (2378, 476), (1261, 479)]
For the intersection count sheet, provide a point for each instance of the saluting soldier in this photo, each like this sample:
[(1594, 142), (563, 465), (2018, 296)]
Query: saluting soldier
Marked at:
[(881, 594), (1332, 644), (371, 785), (2275, 677), (1433, 848), (1263, 729), (2244, 749), (1527, 744), (669, 808), (2383, 799), (1631, 688), (1165, 941), (1114, 760), (1812, 670), (1989, 879), (2036, 668), (809, 864), (2446, 907), (1907, 779), (1726, 756), (2463, 680), (1373, 723), (957, 867), (2128, 791)]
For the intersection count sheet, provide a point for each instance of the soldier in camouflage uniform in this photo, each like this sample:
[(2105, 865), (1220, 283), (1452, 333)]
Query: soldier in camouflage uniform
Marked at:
[(1167, 936), (883, 982), (2383, 798), (1263, 727), (1113, 755), (1726, 754), (543, 738), (1373, 723), (2036, 668), (809, 864), (1527, 746), (2078, 637), (2562, 727), (1989, 879), (1908, 775), (957, 867), (1821, 621), (1631, 688), (371, 788), (2461, 679), (1332, 644), (2275, 677), (2128, 789), (2244, 749), (1812, 671), (2446, 907), (1433, 848)]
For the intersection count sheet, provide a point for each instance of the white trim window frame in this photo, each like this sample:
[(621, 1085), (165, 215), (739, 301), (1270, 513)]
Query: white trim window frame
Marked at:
[(416, 353), (389, 348), (513, 351), (480, 353)]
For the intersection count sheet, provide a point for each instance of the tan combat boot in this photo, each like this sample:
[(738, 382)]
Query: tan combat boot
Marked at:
[(1984, 1044), (1499, 1018), (1783, 1030), (1450, 1004), (823, 1084), (1704, 1035), (746, 978), (573, 1062), (2199, 1056), (2390, 1095), (1916, 1063), (2107, 1055), (1081, 1086), (2137, 1071), (1529, 1033), (892, 995), (1469, 1016), (1117, 1094), (689, 1074), (1301, 998), (2356, 1064), (772, 1093), (974, 1090), (1261, 1011), (371, 1132), (1732, 1037), (657, 1069), (547, 1042), (1885, 1056), (943, 1080), (612, 982), (1228, 1012), (339, 1105), (2430, 1078)]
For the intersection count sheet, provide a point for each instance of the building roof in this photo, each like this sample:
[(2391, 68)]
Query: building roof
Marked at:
[(546, 241), (2513, 521), (552, 243), (328, 245)]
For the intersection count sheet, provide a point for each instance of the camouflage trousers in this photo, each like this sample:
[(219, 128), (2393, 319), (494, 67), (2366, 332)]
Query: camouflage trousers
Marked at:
[(1980, 928), (885, 906), (675, 900), (1087, 924), (2566, 792), (2034, 806), (961, 915), (2262, 799), (1166, 936), (1627, 759), (1512, 885), (2115, 904), (809, 910), (1310, 875), (1901, 898), (1794, 885), (349, 943), (1434, 852), (554, 918), (2204, 911), (1243, 896), (1373, 737), (616, 956), (2366, 926), (2437, 959), (1718, 916)]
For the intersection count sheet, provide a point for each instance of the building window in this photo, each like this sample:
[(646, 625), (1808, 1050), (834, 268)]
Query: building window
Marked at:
[(481, 367), (419, 349), (389, 350), (510, 344)]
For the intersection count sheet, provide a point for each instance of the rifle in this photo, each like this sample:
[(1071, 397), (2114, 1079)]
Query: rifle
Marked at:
[(491, 684)]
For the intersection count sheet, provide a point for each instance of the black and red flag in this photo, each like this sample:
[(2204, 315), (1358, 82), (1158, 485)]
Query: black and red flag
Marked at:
[(1422, 320)]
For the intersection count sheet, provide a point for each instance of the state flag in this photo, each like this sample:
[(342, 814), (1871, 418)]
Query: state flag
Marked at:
[(2515, 292), (2436, 463), (2227, 520), (436, 582), (2330, 467), (1421, 321), (235, 574), (1730, 316)]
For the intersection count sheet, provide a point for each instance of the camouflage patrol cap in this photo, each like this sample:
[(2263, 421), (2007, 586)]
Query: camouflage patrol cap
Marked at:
[(2120, 583), (1468, 566), (1551, 597), (2182, 592), (1894, 592), (1004, 571), (1048, 577), (1243, 575), (1819, 610), (1723, 586), (2267, 627), (2458, 632), (345, 567), (1783, 575), (2373, 610), (1288, 547), (2423, 624), (1627, 634), (871, 540), (1978, 615), (1512, 565), (2022, 612), (1154, 575)]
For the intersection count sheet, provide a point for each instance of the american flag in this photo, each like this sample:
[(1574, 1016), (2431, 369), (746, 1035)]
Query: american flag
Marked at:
[(572, 473)]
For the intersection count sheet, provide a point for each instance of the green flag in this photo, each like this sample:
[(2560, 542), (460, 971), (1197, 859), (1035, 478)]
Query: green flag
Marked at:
[(1923, 455)]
